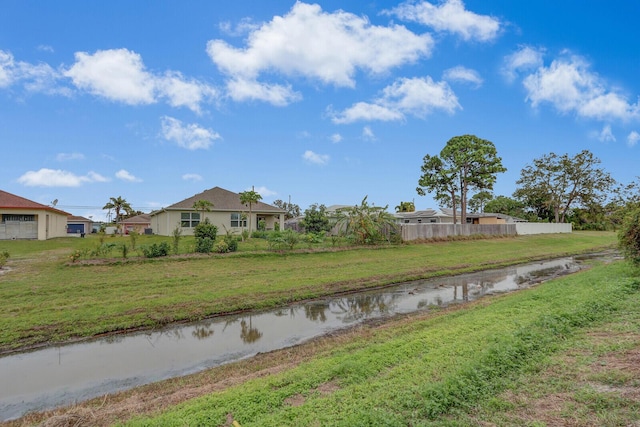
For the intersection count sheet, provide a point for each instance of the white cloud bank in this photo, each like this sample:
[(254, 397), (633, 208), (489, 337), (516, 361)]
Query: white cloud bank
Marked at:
[(189, 136), (58, 178), (450, 16), (310, 43), (194, 177), (463, 75), (570, 86), (633, 138), (416, 96), (120, 75)]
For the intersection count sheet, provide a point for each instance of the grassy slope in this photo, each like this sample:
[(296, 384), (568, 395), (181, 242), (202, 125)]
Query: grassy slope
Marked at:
[(44, 300), (433, 371)]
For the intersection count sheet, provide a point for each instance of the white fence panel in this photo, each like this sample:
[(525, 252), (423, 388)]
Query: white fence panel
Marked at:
[(542, 228)]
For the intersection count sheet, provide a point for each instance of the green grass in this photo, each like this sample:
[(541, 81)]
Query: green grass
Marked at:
[(44, 299), (450, 369)]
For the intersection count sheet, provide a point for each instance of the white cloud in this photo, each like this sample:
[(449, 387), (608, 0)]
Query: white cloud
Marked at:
[(524, 59), (318, 159), (190, 136), (35, 78), (116, 74), (464, 75), (241, 89), (308, 42), (126, 176), (192, 177), (570, 86), (335, 138), (367, 134), (606, 135), (263, 191), (182, 92), (633, 138), (63, 157), (450, 16), (57, 178), (120, 75), (96, 177), (245, 26), (46, 48), (416, 96)]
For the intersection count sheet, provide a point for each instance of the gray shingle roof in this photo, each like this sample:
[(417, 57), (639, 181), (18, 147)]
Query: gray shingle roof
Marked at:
[(223, 200)]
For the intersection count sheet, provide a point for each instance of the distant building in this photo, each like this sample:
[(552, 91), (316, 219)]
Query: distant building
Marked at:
[(22, 218), (226, 212)]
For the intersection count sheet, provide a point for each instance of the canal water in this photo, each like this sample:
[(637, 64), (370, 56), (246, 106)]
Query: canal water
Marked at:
[(66, 374)]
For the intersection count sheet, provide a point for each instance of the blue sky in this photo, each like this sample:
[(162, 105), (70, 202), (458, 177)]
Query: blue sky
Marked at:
[(322, 102)]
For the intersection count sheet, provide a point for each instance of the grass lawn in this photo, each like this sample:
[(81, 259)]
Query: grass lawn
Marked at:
[(45, 299), (562, 353)]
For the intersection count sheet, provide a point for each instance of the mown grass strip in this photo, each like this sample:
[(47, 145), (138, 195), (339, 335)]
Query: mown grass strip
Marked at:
[(43, 300), (425, 370)]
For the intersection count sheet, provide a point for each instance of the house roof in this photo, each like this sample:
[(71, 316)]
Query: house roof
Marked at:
[(11, 201), (138, 219), (223, 200), (74, 218)]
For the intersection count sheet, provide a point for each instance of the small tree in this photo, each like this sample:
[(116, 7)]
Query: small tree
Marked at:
[(629, 236), (478, 201), (366, 224), (176, 234), (406, 207), (315, 219)]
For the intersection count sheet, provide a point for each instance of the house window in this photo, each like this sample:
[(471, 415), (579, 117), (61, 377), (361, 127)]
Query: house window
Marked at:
[(419, 221), (189, 219), (432, 220), (21, 218), (237, 221), (406, 221)]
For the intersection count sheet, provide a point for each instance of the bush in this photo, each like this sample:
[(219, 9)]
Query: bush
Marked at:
[(176, 234), (205, 229), (287, 239), (629, 236), (4, 256), (221, 247), (232, 243), (204, 245), (156, 250)]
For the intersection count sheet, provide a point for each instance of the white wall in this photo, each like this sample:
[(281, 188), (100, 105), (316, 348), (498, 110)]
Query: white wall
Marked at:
[(542, 228)]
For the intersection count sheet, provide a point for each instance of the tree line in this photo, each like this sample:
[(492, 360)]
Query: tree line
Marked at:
[(553, 188)]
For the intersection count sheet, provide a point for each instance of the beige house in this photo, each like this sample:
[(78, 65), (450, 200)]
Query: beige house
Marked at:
[(139, 223), (21, 218), (227, 213)]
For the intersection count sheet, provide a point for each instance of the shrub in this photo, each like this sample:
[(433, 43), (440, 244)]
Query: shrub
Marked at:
[(175, 238), (222, 247), (287, 239), (125, 250), (133, 238), (4, 256), (204, 245), (156, 250), (629, 236), (260, 234), (205, 229), (232, 243), (103, 249)]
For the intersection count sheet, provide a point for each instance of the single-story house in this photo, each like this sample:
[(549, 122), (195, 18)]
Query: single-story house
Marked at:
[(227, 213), (445, 216), (139, 223), (22, 218), (78, 225)]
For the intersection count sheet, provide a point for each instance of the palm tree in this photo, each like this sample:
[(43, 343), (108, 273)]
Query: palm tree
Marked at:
[(202, 206), (118, 204), (250, 197), (406, 207)]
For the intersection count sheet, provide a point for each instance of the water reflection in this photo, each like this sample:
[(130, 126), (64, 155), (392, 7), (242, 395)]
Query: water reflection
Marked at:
[(57, 376)]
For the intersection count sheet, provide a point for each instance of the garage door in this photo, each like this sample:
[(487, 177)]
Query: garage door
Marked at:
[(75, 228)]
